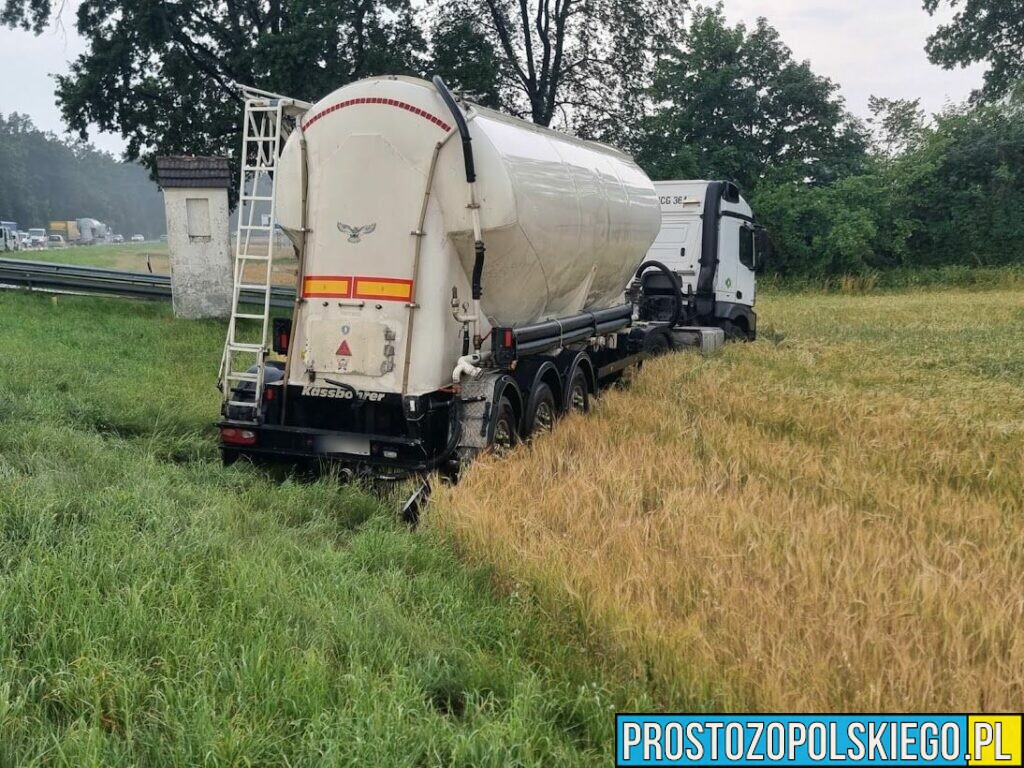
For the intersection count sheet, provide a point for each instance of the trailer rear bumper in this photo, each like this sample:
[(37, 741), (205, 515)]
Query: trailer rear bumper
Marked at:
[(283, 443)]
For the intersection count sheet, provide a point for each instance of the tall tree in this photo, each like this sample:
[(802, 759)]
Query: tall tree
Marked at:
[(160, 72), (989, 31), (731, 102), (47, 178), (464, 56), (898, 124), (581, 64)]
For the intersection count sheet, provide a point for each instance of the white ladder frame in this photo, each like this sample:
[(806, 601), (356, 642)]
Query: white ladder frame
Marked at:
[(262, 132)]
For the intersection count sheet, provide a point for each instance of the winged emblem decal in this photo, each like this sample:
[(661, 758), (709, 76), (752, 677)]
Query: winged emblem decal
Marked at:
[(355, 234)]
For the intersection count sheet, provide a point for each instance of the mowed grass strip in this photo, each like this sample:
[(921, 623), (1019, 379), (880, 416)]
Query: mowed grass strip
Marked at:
[(159, 609), (828, 519), (151, 257)]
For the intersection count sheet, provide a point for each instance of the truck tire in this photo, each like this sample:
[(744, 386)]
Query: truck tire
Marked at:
[(578, 393), (506, 430), (734, 331), (541, 411)]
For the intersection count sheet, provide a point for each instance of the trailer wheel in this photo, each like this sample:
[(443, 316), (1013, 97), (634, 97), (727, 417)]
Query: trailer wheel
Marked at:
[(578, 400), (506, 433), (541, 413)]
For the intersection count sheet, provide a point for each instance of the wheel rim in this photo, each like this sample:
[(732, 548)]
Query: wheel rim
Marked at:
[(578, 398), (544, 419)]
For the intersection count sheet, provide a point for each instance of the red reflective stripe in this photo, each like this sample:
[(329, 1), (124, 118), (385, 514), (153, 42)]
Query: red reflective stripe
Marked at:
[(378, 100)]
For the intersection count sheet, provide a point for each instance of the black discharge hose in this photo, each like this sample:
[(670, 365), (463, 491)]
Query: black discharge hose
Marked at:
[(460, 121), (677, 287), (467, 157)]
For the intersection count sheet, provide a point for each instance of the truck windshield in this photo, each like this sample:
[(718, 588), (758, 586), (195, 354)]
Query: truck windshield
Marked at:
[(37, 233)]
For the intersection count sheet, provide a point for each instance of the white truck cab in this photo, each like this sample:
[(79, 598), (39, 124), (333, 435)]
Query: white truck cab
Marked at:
[(712, 244)]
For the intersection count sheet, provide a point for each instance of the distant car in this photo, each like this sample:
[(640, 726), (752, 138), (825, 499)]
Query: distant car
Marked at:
[(138, 239), (56, 241), (117, 239), (163, 238)]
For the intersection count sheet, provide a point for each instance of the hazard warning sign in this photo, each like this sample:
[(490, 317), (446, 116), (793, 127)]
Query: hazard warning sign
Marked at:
[(343, 350)]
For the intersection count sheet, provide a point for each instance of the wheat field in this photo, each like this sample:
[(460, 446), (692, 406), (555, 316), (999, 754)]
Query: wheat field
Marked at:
[(831, 518)]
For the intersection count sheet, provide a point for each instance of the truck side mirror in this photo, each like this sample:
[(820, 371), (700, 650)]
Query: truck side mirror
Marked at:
[(763, 248)]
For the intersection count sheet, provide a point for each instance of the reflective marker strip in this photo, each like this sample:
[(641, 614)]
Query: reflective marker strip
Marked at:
[(326, 287), (378, 100), (383, 288)]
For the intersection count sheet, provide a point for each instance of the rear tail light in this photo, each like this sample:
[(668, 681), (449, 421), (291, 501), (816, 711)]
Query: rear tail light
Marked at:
[(282, 334), (236, 436)]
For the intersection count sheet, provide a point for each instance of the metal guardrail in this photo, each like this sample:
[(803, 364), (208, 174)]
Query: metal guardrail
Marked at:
[(74, 279)]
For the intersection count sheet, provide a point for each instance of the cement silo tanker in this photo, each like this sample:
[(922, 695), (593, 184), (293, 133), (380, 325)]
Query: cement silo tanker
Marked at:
[(461, 278), (564, 223)]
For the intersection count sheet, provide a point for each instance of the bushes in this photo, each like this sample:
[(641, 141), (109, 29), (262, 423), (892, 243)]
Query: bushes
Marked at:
[(955, 197)]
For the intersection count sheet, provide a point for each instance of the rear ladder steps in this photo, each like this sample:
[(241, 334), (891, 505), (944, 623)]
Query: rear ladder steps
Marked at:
[(261, 150)]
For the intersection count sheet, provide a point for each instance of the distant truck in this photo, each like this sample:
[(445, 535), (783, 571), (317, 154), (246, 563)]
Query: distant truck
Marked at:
[(462, 279), (91, 231), (66, 229), (13, 240), (37, 237), (8, 238)]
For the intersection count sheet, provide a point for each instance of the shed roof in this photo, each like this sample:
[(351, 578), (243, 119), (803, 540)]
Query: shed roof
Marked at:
[(193, 171)]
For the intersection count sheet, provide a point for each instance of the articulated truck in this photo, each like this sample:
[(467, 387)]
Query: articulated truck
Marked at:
[(464, 277)]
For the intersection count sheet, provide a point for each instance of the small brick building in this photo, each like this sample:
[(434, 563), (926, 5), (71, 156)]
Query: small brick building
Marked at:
[(196, 204)]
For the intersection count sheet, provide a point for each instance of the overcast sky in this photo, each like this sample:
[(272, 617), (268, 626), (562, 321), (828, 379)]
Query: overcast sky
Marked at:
[(868, 47)]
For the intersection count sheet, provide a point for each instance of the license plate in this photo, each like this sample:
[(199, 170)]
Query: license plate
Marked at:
[(350, 444)]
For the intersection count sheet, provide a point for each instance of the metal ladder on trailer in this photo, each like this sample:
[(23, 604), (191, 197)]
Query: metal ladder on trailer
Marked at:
[(245, 349)]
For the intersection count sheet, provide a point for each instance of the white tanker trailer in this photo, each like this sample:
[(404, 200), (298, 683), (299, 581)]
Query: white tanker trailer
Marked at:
[(460, 283)]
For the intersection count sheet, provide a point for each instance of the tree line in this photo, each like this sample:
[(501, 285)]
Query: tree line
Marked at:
[(687, 93), (46, 178)]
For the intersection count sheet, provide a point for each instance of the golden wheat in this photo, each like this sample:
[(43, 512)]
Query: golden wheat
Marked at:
[(830, 518)]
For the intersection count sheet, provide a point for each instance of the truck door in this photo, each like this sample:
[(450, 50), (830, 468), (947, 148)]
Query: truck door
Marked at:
[(746, 284), (728, 258)]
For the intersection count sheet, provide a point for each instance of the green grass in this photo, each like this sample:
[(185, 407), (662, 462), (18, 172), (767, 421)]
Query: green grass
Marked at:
[(159, 609), (146, 257), (128, 256)]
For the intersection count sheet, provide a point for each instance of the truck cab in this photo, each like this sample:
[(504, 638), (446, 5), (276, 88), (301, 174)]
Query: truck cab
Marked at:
[(710, 241), (37, 238)]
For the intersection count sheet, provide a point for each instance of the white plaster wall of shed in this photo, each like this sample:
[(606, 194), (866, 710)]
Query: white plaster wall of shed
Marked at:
[(201, 274)]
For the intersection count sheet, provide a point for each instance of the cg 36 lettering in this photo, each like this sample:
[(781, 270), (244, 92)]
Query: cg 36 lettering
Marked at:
[(341, 394)]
